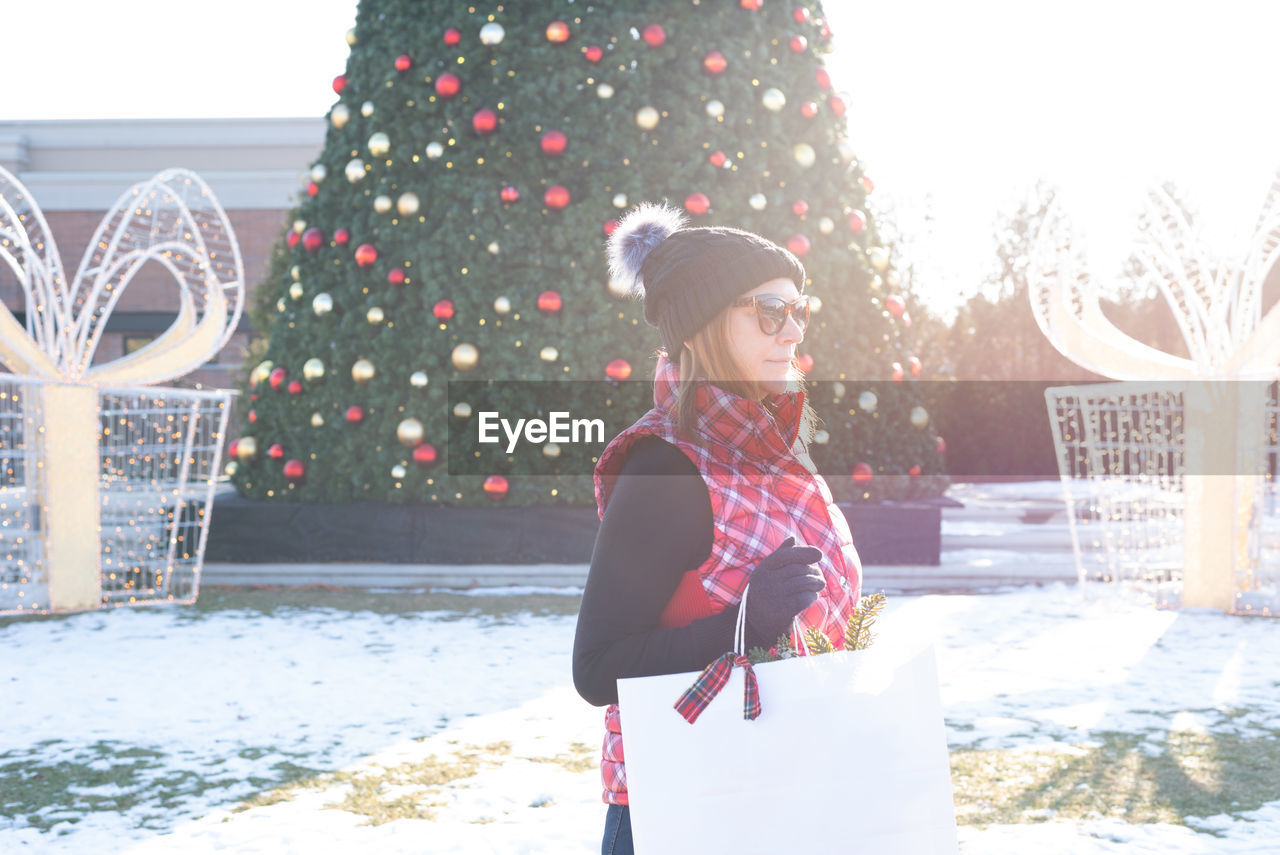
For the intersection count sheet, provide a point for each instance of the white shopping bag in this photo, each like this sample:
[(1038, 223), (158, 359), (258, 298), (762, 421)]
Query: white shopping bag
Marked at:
[(849, 750)]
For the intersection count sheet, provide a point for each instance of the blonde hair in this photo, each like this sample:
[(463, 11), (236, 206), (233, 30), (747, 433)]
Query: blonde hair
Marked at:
[(708, 356)]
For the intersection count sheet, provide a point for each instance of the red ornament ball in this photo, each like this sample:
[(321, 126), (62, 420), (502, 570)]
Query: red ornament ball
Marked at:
[(941, 447), (443, 310), (495, 487), (609, 227), (808, 109), (295, 471), (484, 121), (618, 369), (717, 159), (424, 455), (276, 378), (799, 43), (867, 184), (914, 470), (253, 396), (906, 319), (452, 37), (366, 254), (276, 451), (697, 204), (549, 302), (837, 105), (799, 207), (594, 53), (862, 473), (714, 62), (916, 366), (295, 387), (798, 244), (312, 188), (341, 236), (895, 304), (404, 62), (751, 5), (339, 83), (557, 32), (654, 35), (800, 15), (823, 77), (312, 239), (448, 85), (556, 197), (553, 143), (509, 194), (253, 418), (291, 240), (396, 276), (857, 222), (824, 27), (234, 445), (355, 414), (897, 372), (805, 362)]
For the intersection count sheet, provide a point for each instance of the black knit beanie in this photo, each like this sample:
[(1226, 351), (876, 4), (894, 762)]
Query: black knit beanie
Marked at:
[(689, 275)]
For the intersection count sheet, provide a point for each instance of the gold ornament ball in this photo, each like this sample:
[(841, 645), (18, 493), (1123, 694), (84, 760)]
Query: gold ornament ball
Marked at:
[(894, 278), (878, 257), (462, 410), (295, 290), (418, 379), (354, 170), (317, 420), (231, 469), (260, 373), (876, 283), (410, 432), (246, 449), (804, 154), (826, 225), (619, 200), (715, 109), (604, 90), (362, 371), (492, 34), (322, 304), (351, 37), (381, 204), (296, 273), (465, 356), (493, 248), (366, 109), (773, 99), (434, 150), (821, 437), (313, 369), (339, 116), (757, 201), (379, 144), (502, 305), (548, 354), (398, 472), (647, 118), (847, 153), (868, 401), (919, 416), (375, 315), (319, 173), (280, 305), (299, 226), (407, 205), (551, 450)]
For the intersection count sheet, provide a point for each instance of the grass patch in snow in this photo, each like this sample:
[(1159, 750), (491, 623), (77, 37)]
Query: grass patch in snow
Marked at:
[(441, 605), (384, 794), (579, 758), (1118, 776)]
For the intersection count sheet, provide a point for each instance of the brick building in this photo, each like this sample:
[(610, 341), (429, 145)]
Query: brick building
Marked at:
[(77, 169)]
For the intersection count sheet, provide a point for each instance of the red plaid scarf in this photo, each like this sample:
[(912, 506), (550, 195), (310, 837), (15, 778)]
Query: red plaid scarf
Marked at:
[(760, 494)]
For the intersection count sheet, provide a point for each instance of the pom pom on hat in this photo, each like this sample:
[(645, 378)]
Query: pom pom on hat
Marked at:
[(636, 236)]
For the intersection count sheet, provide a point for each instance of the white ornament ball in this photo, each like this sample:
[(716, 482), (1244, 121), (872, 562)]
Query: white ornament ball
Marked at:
[(551, 450), (375, 315), (868, 401), (492, 34), (893, 278), (773, 99), (604, 90), (398, 472), (355, 170), (647, 118), (434, 150), (322, 304), (618, 288), (280, 305), (493, 248), (838, 390), (502, 305), (407, 205), (319, 173), (821, 437), (382, 203), (299, 226), (366, 109), (804, 154), (879, 257), (418, 379), (295, 272), (351, 37), (815, 304), (548, 354), (757, 201), (295, 290), (826, 225), (317, 420), (379, 144), (462, 410), (846, 151), (919, 416), (715, 109), (339, 115), (620, 200)]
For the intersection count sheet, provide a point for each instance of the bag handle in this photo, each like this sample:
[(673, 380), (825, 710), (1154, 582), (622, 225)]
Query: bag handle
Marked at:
[(740, 629)]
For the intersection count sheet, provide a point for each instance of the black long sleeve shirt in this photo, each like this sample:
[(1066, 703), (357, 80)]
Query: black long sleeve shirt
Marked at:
[(656, 527)]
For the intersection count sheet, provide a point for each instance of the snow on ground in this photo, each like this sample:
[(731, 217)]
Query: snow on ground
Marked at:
[(199, 702)]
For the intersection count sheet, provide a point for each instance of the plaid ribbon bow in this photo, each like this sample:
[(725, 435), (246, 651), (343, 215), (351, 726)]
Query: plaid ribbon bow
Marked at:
[(712, 679)]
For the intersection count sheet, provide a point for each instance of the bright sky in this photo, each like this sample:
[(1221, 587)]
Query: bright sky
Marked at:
[(963, 104)]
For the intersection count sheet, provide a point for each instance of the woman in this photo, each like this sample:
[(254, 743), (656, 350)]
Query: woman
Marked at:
[(728, 491)]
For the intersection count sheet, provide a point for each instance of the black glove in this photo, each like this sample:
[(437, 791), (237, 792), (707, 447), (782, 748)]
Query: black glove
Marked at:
[(782, 586)]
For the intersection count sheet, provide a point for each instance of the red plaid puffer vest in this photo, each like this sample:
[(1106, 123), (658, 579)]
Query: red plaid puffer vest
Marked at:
[(760, 494)]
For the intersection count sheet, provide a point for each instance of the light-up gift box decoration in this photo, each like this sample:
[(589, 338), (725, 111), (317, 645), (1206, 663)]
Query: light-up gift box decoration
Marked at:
[(107, 481)]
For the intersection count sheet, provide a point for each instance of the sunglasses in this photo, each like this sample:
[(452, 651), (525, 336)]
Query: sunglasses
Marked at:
[(771, 312)]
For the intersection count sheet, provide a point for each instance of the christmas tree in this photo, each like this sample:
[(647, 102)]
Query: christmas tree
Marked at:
[(453, 230)]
